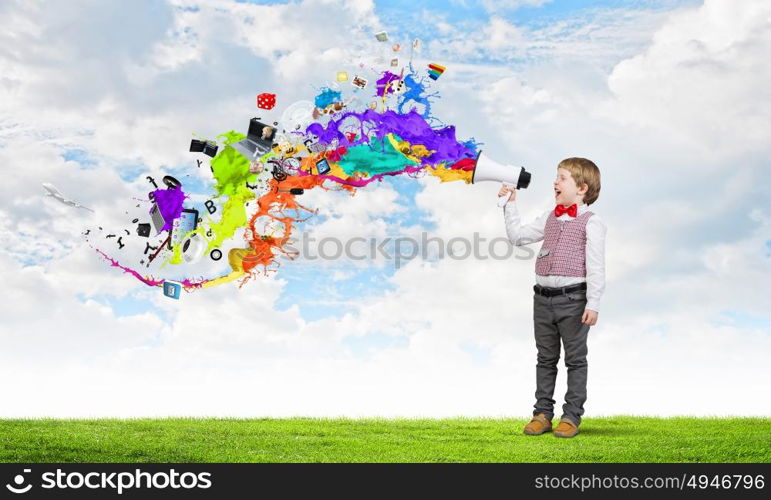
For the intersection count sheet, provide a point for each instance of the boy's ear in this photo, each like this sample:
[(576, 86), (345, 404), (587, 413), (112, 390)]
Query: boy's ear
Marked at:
[(583, 189)]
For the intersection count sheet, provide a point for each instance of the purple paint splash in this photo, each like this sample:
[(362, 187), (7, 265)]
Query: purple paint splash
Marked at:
[(169, 202), (383, 82), (410, 127)]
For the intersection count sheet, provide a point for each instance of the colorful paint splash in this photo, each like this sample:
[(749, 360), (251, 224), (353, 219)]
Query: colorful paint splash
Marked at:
[(386, 83), (416, 94), (255, 200), (169, 204), (327, 97)]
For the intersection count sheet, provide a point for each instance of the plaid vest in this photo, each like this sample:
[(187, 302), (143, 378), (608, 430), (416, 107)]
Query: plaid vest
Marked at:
[(563, 252)]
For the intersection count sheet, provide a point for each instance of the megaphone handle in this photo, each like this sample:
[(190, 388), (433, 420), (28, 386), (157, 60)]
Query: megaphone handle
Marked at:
[(502, 200)]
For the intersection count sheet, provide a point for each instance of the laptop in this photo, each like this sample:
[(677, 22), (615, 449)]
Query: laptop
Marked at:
[(259, 139)]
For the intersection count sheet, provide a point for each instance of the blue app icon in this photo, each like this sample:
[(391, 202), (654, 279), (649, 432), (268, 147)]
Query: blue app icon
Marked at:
[(172, 289)]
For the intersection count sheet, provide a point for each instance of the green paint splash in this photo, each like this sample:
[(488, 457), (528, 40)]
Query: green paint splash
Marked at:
[(377, 157), (231, 171)]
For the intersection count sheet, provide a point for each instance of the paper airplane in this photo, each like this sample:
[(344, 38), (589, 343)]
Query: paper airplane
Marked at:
[(54, 193)]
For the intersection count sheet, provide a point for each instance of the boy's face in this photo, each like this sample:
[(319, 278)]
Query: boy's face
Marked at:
[(565, 190)]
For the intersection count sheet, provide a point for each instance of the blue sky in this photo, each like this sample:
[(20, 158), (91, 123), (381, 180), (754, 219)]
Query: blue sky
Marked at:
[(398, 13)]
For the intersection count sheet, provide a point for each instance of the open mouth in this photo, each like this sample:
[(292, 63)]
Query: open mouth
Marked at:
[(557, 192)]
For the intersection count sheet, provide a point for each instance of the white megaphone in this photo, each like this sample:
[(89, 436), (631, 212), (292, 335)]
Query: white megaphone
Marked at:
[(489, 170)]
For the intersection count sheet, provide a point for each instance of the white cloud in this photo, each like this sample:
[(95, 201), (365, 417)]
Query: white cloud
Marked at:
[(500, 34), (500, 5), (704, 79), (591, 41)]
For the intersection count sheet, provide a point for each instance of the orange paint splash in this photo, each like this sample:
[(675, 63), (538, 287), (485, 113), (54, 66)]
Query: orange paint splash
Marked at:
[(263, 248)]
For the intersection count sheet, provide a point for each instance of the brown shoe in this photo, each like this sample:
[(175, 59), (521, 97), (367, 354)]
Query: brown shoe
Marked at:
[(538, 425), (566, 429)]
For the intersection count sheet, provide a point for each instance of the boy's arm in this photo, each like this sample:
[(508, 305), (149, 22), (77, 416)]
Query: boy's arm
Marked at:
[(522, 234), (595, 262)]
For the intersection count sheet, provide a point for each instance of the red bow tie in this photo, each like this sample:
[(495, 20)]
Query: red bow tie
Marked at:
[(572, 210)]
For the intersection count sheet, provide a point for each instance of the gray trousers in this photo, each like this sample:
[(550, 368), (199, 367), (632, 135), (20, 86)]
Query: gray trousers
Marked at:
[(558, 318)]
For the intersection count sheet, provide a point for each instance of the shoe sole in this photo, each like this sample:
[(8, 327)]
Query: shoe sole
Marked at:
[(530, 433)]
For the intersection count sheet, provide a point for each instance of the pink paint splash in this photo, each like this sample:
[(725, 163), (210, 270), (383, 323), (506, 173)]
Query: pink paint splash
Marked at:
[(149, 280)]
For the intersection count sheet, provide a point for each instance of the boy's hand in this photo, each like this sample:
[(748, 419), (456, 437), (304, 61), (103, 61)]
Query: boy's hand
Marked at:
[(508, 189), (589, 317)]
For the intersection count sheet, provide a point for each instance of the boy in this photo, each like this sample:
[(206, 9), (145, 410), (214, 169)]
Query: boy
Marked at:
[(570, 279)]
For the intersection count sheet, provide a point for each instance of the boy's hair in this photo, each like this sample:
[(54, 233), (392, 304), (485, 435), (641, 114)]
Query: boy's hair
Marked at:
[(583, 172)]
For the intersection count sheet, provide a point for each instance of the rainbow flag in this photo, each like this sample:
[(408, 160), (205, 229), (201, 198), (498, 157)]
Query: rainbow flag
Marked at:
[(435, 71)]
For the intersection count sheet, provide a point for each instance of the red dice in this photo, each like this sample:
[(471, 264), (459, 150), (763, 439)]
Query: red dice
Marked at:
[(266, 101)]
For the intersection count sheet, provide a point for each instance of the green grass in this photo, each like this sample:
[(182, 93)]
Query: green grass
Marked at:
[(611, 439)]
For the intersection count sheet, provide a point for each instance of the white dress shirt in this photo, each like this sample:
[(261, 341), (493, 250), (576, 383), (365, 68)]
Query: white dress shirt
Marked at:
[(595, 250)]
